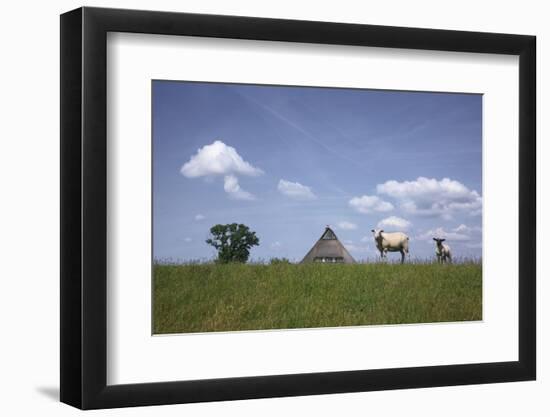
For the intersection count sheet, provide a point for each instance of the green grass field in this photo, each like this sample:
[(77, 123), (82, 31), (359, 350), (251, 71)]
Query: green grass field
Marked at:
[(215, 297)]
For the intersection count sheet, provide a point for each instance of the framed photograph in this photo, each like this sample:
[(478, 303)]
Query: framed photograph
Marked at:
[(257, 208)]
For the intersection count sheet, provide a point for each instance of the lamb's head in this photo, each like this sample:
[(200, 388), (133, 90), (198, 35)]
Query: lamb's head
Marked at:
[(438, 241), (377, 233)]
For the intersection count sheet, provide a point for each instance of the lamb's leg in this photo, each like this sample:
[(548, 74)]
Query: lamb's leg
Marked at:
[(402, 256)]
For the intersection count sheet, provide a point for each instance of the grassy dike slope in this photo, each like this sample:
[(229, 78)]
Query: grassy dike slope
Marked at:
[(214, 297)]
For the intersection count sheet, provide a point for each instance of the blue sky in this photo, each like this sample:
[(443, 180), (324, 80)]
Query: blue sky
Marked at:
[(286, 161)]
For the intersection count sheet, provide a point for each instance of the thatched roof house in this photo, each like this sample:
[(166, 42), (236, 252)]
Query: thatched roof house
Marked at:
[(328, 249)]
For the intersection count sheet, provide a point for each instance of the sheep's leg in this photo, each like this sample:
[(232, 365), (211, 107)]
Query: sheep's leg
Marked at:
[(402, 256)]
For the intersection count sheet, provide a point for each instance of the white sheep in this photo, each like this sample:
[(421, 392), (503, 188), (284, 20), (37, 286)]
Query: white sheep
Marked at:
[(442, 251), (391, 242)]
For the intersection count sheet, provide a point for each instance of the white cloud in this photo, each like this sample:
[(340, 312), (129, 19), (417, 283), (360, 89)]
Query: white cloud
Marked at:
[(366, 239), (276, 245), (440, 232), (461, 233), (217, 159), (369, 204), (232, 187), (199, 217), (395, 222), (346, 225), (432, 197), (352, 247), (295, 190), (462, 228)]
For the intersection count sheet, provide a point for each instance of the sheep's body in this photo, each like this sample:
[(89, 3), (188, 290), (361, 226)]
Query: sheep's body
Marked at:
[(442, 251), (391, 242)]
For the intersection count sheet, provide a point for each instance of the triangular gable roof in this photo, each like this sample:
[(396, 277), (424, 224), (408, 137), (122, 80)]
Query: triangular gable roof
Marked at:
[(328, 234), (328, 246)]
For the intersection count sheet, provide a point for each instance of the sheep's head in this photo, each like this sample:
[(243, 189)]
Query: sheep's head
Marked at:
[(438, 241), (377, 233)]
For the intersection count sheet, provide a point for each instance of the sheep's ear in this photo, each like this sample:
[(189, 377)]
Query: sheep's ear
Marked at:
[(372, 230), (435, 239), (443, 240)]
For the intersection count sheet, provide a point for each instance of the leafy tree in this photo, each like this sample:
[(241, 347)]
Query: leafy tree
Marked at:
[(232, 241)]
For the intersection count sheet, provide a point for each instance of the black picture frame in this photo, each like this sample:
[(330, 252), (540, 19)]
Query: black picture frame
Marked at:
[(84, 207)]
